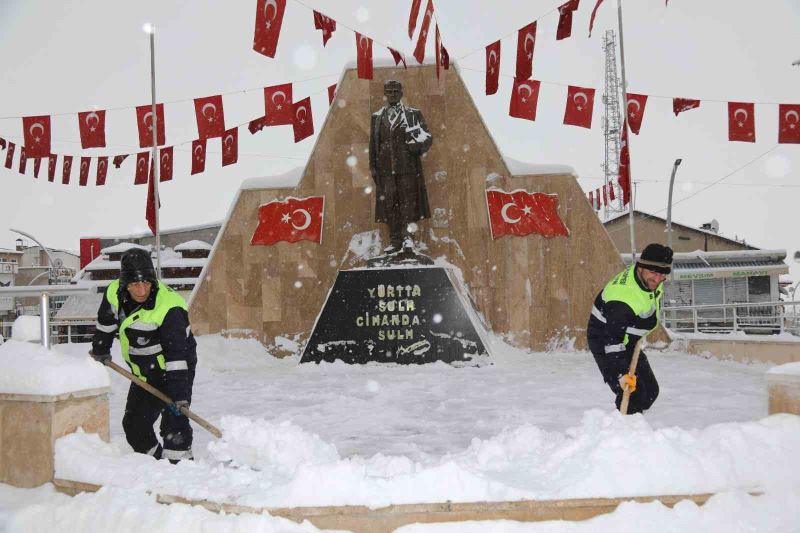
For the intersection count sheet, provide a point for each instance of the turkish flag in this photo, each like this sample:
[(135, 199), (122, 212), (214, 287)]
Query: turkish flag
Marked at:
[(83, 175), (565, 19), (10, 154), (679, 105), (789, 123), (210, 116), (92, 125), (165, 157), (636, 103), (198, 156), (150, 208), (580, 104), (256, 125), (144, 120), (37, 164), (331, 93), (230, 147), (102, 171), (52, 159), (445, 58), (326, 24), (90, 249), (412, 17), (524, 97), (522, 213), (526, 40), (3, 142), (492, 67), (303, 120), (364, 56), (591, 19), (278, 104), (36, 132), (142, 164), (591, 200), (741, 122), (269, 17), (118, 160), (438, 48), (23, 160), (292, 220), (398, 57), (419, 50), (624, 173), (66, 169)]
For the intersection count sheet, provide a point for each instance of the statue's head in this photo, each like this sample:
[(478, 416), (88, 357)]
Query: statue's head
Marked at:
[(393, 91)]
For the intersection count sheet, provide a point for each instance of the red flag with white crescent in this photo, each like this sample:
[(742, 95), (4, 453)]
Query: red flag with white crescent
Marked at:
[(636, 104), (398, 57), (230, 147), (422, 39), (269, 18), (412, 17), (278, 105), (10, 154), (303, 120), (580, 104), (624, 172), (679, 105), (66, 169), (526, 40), (198, 156), (37, 164), (150, 208), (326, 24), (524, 97), (437, 45), (210, 116), (23, 160), (83, 174), (364, 56), (165, 158), (594, 13), (789, 123), (144, 121), (102, 171), (290, 220), (36, 132), (52, 159), (741, 122), (92, 126), (142, 164), (119, 159), (565, 11), (492, 67), (522, 213)]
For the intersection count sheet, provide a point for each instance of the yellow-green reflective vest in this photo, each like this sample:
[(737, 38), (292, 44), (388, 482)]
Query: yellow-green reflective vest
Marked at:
[(144, 320), (645, 304)]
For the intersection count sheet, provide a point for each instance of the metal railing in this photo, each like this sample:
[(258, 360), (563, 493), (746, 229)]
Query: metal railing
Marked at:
[(44, 292), (757, 318), (62, 331)]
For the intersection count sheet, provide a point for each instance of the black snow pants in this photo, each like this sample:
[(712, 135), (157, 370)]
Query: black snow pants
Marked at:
[(612, 368), (142, 410)]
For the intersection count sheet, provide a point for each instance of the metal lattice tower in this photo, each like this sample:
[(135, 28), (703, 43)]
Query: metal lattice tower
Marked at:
[(612, 123)]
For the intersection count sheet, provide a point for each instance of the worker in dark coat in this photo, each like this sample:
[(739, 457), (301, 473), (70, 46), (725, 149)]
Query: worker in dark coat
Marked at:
[(398, 139), (626, 310), (151, 321)]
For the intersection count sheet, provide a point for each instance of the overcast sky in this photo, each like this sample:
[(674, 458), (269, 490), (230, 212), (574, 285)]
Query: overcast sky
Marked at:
[(65, 57)]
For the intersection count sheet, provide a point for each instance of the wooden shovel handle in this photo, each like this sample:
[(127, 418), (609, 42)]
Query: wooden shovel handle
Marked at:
[(626, 394)]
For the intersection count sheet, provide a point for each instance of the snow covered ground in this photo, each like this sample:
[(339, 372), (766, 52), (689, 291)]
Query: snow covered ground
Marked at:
[(533, 425)]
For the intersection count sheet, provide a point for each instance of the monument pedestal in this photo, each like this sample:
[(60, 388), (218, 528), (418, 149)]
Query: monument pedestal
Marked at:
[(405, 314)]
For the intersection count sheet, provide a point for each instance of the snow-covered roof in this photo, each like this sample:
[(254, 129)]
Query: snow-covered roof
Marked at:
[(124, 247), (287, 179), (162, 231), (522, 168), (10, 251), (192, 245)]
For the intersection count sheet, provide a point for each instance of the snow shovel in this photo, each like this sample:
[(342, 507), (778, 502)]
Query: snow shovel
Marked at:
[(164, 398), (626, 394)]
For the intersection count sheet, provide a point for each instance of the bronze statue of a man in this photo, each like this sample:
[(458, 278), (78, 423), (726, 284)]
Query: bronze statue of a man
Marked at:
[(398, 138)]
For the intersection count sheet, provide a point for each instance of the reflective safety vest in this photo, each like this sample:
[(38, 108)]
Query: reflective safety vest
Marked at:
[(137, 332), (646, 305)]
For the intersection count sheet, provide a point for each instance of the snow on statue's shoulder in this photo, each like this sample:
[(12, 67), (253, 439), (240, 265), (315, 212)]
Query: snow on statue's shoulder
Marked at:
[(522, 168), (30, 368)]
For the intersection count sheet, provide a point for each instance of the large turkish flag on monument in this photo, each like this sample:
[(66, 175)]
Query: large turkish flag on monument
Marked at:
[(292, 220), (522, 213)]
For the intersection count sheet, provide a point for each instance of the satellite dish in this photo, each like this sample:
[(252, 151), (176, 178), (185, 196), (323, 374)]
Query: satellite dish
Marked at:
[(58, 262)]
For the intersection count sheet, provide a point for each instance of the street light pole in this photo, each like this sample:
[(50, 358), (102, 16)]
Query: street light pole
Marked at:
[(669, 202), (149, 28), (43, 247)]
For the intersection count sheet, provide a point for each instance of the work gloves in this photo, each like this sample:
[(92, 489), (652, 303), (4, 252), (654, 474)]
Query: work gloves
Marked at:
[(627, 382), (101, 358), (175, 407)]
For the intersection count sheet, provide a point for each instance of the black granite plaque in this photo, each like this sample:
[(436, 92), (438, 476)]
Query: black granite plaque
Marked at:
[(395, 315)]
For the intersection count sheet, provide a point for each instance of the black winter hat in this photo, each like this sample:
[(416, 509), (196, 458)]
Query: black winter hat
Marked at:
[(656, 257), (136, 265)]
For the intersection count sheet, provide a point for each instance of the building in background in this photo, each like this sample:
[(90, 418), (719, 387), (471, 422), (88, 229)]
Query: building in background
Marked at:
[(9, 267)]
